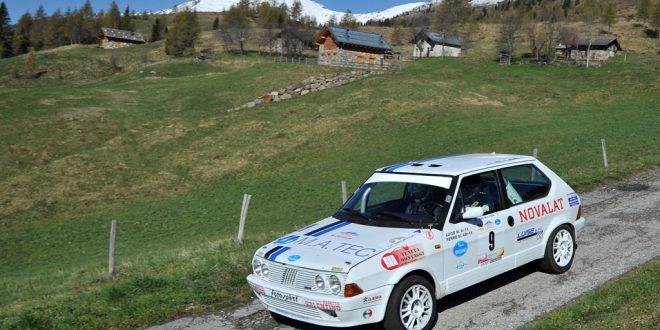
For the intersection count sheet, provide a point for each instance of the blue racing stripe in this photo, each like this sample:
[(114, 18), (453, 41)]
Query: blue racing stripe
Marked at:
[(277, 253), (391, 169), (396, 167), (345, 223)]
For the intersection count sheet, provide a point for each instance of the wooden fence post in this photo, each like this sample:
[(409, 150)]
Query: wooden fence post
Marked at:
[(344, 192), (111, 252), (602, 144), (244, 211), (535, 152)]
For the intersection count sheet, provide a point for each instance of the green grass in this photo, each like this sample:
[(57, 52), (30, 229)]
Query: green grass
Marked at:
[(629, 302), (159, 153)]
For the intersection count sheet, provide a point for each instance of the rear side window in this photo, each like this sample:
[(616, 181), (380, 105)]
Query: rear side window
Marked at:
[(525, 183)]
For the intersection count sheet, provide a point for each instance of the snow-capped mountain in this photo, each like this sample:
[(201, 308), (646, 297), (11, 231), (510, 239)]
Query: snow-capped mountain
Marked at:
[(310, 8)]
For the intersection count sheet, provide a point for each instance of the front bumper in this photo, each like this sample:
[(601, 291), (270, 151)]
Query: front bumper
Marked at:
[(322, 309)]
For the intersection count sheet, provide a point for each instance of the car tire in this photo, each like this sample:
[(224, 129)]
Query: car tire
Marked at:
[(559, 251), (413, 296)]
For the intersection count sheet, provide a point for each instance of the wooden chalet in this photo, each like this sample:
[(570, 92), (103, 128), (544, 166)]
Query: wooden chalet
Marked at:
[(115, 38), (598, 48), (433, 44), (352, 48)]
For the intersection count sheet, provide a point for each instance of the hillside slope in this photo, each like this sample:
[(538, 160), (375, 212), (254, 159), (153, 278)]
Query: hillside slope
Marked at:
[(158, 152)]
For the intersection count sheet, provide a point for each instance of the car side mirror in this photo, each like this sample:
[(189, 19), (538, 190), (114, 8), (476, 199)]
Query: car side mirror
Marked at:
[(472, 212)]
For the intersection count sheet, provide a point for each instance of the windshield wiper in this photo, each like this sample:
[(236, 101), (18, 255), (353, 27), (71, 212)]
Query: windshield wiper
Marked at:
[(359, 214)]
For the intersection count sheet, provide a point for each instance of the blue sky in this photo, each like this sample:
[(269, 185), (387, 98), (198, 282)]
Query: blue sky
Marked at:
[(18, 7)]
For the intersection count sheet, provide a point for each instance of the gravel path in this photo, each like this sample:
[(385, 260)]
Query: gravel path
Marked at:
[(623, 228)]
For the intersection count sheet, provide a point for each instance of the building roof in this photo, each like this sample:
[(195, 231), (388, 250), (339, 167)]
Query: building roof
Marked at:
[(602, 42), (455, 164), (122, 34), (343, 36), (435, 38)]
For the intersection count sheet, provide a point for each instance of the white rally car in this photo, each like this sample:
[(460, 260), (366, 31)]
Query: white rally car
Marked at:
[(415, 232)]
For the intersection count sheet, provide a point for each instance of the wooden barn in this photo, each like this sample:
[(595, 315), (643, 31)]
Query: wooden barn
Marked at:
[(599, 49), (115, 38), (352, 48), (433, 44)]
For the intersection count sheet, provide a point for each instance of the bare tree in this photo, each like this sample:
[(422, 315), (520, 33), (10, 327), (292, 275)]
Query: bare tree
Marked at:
[(508, 37), (235, 28)]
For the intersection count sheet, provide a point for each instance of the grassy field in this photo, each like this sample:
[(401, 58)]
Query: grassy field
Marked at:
[(159, 153), (630, 302)]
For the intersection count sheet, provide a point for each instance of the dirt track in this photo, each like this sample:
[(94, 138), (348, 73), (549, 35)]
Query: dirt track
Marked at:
[(623, 227)]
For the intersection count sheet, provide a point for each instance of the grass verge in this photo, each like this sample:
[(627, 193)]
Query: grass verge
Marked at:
[(629, 302)]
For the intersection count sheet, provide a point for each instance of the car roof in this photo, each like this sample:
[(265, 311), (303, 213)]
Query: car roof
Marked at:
[(455, 164)]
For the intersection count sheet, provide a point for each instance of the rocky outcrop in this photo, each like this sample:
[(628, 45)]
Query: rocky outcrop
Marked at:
[(309, 85)]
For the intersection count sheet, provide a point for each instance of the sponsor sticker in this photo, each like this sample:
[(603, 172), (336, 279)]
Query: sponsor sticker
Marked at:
[(287, 239), (461, 264), (284, 296), (337, 269), (457, 234), (541, 210), (327, 305), (498, 222), (293, 258), (346, 234), (490, 257), (367, 313), (402, 256), (373, 299), (257, 288), (573, 200), (460, 248), (529, 233), (429, 234)]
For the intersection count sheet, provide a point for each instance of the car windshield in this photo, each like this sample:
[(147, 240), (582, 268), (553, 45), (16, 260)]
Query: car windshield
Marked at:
[(388, 203)]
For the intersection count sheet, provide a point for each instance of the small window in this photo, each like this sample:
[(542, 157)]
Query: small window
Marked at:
[(480, 190), (360, 59), (525, 183)]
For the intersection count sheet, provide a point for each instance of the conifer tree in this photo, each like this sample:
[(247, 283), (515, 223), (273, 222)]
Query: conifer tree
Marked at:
[(156, 31), (608, 15), (397, 35), (180, 40), (642, 9), (53, 34), (216, 23), (113, 17), (348, 20), (21, 43), (296, 11), (6, 34), (39, 23), (126, 20)]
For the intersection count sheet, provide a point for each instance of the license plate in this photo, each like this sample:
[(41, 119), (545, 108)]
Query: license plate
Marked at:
[(284, 296)]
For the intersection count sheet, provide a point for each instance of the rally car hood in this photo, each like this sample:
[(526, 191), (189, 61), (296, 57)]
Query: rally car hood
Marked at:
[(334, 245)]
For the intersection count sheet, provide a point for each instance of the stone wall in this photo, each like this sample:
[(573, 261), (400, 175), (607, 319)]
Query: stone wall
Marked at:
[(309, 85)]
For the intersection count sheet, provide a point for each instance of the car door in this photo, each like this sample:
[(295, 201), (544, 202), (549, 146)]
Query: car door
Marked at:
[(481, 247), (527, 192)]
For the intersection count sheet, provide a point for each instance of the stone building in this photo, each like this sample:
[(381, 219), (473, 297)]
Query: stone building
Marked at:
[(115, 38), (598, 49), (433, 44), (351, 48)]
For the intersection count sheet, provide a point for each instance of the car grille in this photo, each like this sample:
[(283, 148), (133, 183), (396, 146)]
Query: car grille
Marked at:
[(292, 307), (299, 278)]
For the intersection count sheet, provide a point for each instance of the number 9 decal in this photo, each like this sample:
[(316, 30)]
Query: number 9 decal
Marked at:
[(491, 240)]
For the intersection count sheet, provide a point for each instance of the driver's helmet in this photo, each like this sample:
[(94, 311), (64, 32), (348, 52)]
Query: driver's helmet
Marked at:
[(417, 190)]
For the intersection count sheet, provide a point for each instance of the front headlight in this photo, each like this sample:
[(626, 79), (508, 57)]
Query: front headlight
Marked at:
[(319, 282), (335, 284), (264, 270), (256, 266)]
